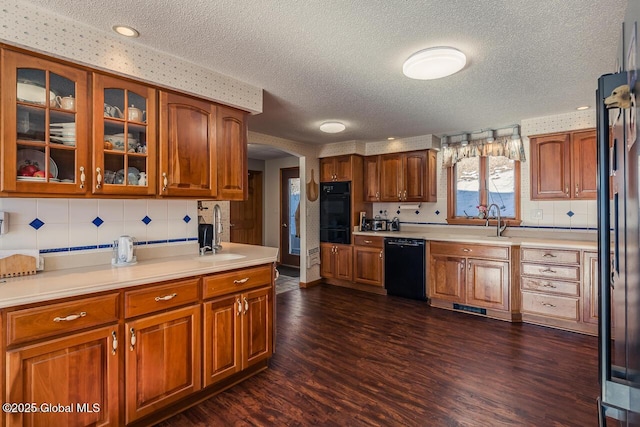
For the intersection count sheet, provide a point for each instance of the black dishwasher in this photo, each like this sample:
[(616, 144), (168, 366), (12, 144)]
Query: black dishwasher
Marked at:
[(404, 268)]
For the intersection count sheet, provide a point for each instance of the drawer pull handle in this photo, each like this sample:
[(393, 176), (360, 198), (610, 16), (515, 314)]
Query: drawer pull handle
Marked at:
[(114, 344), (246, 305), (165, 181), (98, 178), (466, 250), (546, 304), (133, 339), (241, 281), (83, 177), (380, 254), (166, 297), (239, 307), (368, 242), (70, 317), (549, 255), (547, 270), (548, 285)]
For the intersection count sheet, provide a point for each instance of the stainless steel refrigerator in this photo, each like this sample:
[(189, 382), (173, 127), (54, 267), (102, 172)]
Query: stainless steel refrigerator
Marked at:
[(618, 233)]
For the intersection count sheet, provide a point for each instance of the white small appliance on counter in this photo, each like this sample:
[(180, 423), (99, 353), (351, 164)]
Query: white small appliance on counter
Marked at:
[(123, 253)]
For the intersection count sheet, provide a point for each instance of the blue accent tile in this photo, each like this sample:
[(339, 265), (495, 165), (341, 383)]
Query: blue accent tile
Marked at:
[(153, 242), (184, 239), (398, 211), (146, 220), (50, 251), (192, 239), (437, 212), (186, 219), (83, 248), (110, 245), (36, 223), (570, 214), (97, 221), (417, 212)]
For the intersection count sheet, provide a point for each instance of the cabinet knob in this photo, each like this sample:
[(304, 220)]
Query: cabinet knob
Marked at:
[(577, 190), (566, 190), (239, 307), (165, 181), (246, 305), (83, 177), (377, 195), (98, 178), (380, 254)]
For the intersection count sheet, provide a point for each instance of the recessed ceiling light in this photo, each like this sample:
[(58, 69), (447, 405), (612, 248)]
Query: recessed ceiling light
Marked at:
[(126, 31), (584, 107), (434, 63), (332, 127), (390, 138)]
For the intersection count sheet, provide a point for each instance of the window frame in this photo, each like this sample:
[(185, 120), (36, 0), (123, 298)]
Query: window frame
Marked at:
[(484, 194)]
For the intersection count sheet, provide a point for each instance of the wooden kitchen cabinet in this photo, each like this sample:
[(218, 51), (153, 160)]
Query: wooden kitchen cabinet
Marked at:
[(125, 137), (336, 169), (79, 370), (162, 362), (372, 179), (187, 147), (476, 277), (407, 177), (232, 154), (45, 125), (336, 261), (368, 260), (563, 165), (237, 327)]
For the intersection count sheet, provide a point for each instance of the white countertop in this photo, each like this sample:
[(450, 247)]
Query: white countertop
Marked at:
[(51, 285), (489, 239)]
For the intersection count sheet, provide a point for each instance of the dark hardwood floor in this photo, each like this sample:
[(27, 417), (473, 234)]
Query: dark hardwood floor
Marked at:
[(348, 358)]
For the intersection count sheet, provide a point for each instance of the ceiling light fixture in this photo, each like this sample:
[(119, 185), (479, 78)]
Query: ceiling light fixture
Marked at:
[(584, 107), (434, 63), (332, 127), (125, 30)]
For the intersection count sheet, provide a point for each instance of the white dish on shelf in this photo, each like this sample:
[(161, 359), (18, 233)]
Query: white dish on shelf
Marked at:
[(34, 157), (63, 125), (34, 93), (63, 139), (36, 179), (63, 131), (132, 177)]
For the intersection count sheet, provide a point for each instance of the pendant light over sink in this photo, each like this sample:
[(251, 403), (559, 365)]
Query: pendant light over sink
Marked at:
[(434, 63)]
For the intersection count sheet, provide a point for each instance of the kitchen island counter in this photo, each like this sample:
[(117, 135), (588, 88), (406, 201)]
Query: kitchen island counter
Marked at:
[(50, 285)]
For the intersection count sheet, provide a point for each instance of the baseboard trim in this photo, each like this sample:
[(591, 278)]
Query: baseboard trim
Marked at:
[(311, 284)]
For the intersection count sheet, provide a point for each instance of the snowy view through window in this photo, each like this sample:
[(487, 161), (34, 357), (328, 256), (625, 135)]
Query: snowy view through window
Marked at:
[(500, 186)]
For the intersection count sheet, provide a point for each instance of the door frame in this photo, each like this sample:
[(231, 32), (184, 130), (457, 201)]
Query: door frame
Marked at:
[(285, 175)]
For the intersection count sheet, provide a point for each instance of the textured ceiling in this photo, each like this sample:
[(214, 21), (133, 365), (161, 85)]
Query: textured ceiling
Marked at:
[(342, 60)]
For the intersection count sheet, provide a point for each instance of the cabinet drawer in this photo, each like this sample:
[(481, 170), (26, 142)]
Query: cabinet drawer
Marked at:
[(471, 251), (551, 271), (551, 256), (550, 305), (234, 281), (53, 319), (550, 286), (160, 297), (371, 241)]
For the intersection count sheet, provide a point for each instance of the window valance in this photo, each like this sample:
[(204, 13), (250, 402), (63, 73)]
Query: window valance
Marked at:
[(500, 146)]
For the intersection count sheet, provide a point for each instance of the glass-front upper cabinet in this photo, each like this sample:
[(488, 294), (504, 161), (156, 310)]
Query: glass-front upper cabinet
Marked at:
[(45, 126), (124, 137)]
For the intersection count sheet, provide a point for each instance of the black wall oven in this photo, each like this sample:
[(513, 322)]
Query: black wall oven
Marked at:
[(335, 212)]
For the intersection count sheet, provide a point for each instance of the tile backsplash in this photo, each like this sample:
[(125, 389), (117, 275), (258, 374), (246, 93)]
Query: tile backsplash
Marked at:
[(65, 225)]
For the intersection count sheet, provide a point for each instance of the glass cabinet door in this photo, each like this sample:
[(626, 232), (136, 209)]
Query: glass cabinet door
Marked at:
[(124, 137), (45, 126)]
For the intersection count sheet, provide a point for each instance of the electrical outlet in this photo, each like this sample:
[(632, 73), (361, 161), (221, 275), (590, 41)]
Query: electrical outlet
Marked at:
[(536, 214)]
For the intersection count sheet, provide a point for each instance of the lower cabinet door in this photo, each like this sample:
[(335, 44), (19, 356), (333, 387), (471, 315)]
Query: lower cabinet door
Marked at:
[(447, 278), (222, 338), (70, 381), (257, 320), (367, 265), (162, 361), (488, 284)]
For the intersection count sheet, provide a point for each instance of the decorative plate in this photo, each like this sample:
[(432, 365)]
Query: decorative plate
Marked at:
[(35, 157)]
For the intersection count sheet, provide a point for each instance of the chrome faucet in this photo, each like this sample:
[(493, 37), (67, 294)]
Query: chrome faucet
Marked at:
[(217, 229), (203, 250), (499, 228)]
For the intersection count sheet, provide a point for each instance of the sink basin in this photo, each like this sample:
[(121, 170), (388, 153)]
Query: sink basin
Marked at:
[(219, 257)]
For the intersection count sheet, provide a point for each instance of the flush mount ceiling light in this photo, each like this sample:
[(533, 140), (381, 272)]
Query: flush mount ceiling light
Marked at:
[(332, 127), (434, 63), (126, 31)]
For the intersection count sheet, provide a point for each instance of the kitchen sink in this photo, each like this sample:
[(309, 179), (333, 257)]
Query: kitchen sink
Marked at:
[(219, 257)]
